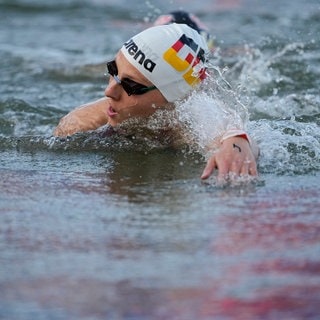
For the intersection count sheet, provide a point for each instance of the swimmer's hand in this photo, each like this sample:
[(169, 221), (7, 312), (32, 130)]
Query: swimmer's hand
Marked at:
[(85, 118), (68, 126), (235, 158)]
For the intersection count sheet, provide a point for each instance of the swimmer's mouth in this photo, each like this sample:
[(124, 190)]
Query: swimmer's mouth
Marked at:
[(112, 112)]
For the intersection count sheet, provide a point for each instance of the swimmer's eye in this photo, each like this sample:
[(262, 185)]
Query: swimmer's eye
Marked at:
[(130, 87)]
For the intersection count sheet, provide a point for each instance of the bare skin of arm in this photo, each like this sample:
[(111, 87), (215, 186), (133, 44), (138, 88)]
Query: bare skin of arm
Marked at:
[(87, 117)]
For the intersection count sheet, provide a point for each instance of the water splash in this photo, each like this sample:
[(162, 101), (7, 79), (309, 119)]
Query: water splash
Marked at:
[(255, 70), (19, 118), (287, 146), (280, 88), (211, 110)]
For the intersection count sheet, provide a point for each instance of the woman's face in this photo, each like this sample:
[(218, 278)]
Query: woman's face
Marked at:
[(121, 106)]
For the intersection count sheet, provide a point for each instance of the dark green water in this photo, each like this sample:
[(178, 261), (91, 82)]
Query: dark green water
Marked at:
[(115, 228)]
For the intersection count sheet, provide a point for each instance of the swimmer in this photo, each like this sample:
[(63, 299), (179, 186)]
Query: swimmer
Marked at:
[(191, 20), (154, 69)]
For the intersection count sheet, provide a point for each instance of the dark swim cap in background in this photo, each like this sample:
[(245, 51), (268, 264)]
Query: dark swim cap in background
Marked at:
[(183, 17)]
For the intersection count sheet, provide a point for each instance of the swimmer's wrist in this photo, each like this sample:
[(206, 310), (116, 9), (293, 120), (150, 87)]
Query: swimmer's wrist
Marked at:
[(235, 133)]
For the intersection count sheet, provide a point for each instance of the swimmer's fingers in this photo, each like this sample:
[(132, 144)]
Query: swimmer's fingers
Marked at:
[(243, 167), (209, 168), (249, 167), (216, 162)]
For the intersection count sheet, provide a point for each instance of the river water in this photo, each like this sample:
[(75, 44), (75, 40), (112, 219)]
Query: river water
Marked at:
[(93, 227)]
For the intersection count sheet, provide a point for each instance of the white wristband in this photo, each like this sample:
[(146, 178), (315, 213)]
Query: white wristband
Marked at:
[(235, 133)]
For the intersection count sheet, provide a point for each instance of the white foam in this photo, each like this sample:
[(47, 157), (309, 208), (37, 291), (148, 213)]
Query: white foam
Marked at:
[(207, 114)]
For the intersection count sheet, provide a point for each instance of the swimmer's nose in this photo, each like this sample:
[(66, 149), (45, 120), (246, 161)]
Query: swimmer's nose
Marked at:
[(113, 90)]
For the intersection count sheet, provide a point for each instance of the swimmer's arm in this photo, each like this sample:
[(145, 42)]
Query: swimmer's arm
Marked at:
[(235, 155), (87, 117)]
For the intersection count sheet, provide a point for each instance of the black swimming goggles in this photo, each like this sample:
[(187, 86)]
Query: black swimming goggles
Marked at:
[(128, 85)]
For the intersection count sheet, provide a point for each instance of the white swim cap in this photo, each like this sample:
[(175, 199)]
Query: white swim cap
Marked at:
[(171, 56)]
